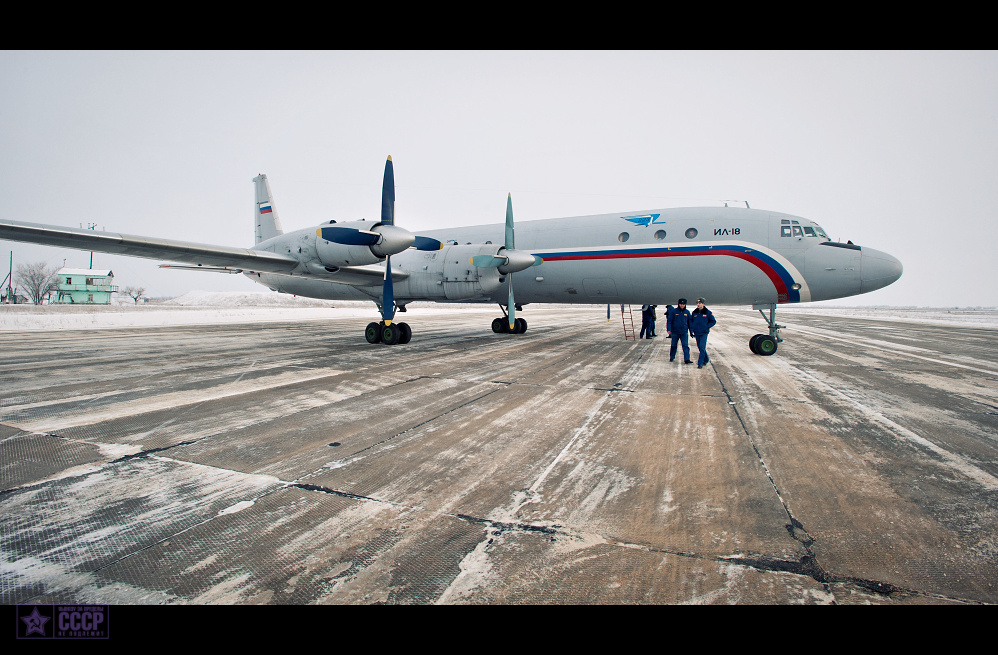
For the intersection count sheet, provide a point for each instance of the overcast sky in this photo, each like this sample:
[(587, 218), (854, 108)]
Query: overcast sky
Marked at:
[(893, 150)]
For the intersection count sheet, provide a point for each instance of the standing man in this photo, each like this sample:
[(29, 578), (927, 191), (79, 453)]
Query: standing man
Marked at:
[(679, 329), (645, 320), (651, 320), (700, 323)]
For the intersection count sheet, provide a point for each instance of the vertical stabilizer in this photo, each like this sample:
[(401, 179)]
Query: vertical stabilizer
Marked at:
[(268, 225)]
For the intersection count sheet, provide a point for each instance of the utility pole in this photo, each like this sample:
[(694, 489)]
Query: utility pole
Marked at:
[(92, 226)]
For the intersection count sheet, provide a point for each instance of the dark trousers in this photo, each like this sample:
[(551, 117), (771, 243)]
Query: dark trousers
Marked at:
[(644, 329), (677, 338), (702, 347)]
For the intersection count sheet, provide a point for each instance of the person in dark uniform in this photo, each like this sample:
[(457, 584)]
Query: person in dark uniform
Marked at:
[(651, 319), (700, 323), (669, 309), (679, 329), (645, 322)]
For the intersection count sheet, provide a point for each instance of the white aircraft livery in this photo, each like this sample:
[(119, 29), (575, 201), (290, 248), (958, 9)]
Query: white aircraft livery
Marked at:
[(728, 255)]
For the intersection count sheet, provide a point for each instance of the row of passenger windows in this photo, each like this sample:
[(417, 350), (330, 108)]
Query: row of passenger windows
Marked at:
[(659, 235)]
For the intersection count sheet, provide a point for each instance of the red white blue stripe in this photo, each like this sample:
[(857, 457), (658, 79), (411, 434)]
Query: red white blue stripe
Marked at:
[(778, 274), (265, 208)]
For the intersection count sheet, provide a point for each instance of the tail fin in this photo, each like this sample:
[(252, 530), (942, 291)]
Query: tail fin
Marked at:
[(268, 225)]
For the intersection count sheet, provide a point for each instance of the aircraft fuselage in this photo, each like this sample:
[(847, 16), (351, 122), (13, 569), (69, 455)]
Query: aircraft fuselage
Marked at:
[(729, 255)]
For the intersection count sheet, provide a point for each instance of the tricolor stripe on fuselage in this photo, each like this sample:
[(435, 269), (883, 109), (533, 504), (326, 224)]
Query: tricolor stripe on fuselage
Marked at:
[(778, 274)]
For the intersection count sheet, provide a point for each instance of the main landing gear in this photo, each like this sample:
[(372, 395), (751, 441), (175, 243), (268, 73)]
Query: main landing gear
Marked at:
[(388, 334), (501, 324), (766, 344)]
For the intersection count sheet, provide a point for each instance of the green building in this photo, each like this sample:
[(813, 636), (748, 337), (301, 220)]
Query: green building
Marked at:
[(83, 286)]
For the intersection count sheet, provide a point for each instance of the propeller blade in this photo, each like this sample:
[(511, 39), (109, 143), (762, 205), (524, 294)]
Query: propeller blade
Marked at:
[(509, 222), (511, 307), (349, 236), (426, 243), (388, 194), (487, 261), (388, 293)]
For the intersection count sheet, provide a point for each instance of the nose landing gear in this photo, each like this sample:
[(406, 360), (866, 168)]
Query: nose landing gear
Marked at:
[(766, 344)]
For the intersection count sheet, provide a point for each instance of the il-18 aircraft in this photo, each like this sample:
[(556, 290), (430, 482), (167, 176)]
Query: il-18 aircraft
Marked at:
[(730, 255)]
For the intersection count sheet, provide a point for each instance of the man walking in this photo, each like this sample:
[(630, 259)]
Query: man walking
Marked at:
[(700, 323), (679, 330)]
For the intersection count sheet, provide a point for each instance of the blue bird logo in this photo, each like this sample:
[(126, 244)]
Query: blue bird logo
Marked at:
[(644, 219)]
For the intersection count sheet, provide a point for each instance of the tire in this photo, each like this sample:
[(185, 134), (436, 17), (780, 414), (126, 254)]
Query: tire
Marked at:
[(499, 326), (766, 345), (521, 326), (373, 333), (390, 334), (406, 333), (752, 343)]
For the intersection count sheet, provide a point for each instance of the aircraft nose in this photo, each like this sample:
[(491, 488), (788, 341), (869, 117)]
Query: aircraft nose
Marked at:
[(878, 269)]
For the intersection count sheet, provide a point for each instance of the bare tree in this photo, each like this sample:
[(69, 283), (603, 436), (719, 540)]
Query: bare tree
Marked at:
[(134, 293), (37, 280)]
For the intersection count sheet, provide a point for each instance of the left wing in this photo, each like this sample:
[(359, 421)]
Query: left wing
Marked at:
[(148, 247)]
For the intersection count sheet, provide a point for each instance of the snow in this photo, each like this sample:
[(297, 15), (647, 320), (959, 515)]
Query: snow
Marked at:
[(219, 307)]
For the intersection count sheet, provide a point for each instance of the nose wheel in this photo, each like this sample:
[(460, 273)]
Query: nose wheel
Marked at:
[(766, 344)]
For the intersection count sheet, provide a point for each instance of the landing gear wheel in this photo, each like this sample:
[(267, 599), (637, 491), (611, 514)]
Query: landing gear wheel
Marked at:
[(406, 333), (753, 341), (521, 326), (390, 334), (373, 333), (765, 345), (499, 325)]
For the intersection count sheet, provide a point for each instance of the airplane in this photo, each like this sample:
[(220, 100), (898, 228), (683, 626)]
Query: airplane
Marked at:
[(729, 255)]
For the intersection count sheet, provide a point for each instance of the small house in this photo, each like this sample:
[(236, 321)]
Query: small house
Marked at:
[(84, 287)]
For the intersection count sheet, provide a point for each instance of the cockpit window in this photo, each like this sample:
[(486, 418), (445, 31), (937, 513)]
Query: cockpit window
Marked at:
[(809, 231), (797, 231), (820, 231)]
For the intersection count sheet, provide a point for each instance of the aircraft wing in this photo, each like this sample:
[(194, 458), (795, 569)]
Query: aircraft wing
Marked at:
[(149, 247)]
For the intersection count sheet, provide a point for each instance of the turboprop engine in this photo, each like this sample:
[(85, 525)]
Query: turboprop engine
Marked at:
[(448, 274), (359, 243)]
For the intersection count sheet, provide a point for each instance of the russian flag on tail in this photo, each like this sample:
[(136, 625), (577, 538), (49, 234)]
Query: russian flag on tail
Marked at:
[(265, 208)]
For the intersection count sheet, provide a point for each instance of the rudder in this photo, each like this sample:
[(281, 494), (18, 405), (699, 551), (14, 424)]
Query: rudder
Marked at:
[(268, 225)]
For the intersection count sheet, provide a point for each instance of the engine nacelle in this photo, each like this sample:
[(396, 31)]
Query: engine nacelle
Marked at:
[(359, 243), (448, 274)]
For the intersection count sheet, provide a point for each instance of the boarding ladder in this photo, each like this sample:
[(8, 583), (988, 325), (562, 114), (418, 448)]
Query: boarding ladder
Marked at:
[(628, 320)]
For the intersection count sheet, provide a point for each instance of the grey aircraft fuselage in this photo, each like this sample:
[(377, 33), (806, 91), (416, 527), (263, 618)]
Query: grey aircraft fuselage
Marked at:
[(729, 255)]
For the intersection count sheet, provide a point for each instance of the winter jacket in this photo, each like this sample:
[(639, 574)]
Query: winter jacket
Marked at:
[(680, 321), (701, 322)]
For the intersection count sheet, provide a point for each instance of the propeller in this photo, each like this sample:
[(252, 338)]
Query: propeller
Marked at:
[(388, 218), (508, 260), (384, 238)]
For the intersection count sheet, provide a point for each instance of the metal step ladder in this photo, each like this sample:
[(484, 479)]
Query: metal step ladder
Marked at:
[(628, 320)]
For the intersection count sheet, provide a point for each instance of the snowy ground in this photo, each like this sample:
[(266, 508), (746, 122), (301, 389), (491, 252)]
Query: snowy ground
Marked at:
[(210, 307)]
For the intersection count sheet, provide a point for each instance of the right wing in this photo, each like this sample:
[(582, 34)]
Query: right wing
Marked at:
[(149, 247)]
